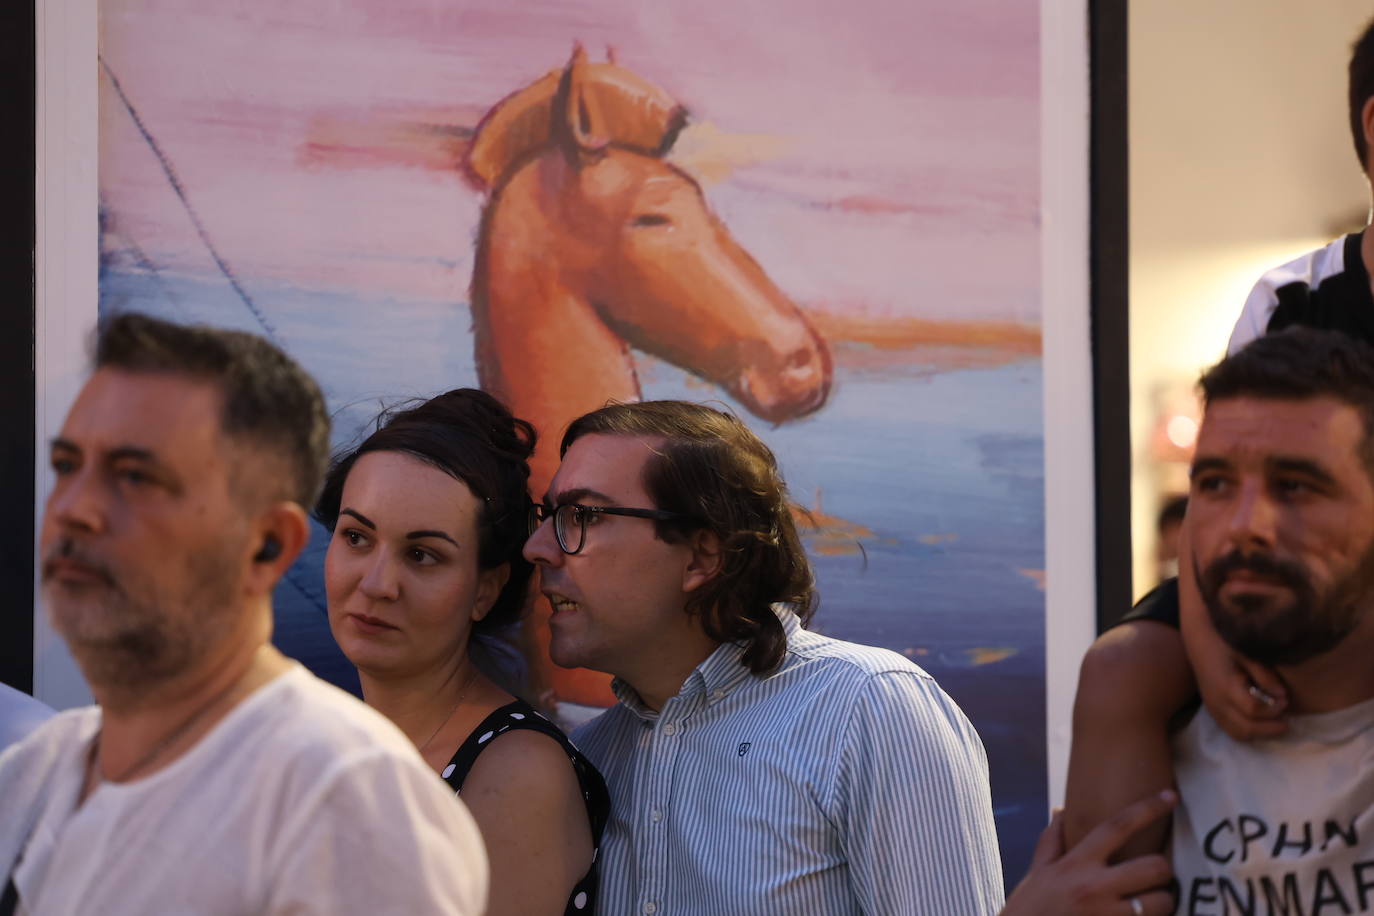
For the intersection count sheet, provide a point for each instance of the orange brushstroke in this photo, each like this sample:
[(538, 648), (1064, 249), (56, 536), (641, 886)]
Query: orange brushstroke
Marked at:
[(413, 137), (829, 535), (987, 656), (931, 540), (903, 332)]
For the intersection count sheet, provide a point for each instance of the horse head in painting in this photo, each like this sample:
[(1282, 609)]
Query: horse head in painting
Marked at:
[(591, 242)]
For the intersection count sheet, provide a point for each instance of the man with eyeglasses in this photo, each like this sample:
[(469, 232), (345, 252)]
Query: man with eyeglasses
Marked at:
[(755, 767)]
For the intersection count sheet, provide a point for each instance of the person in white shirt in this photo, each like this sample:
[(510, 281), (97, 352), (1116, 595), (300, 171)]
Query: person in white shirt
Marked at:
[(215, 775), (1137, 675), (1280, 534), (1279, 555)]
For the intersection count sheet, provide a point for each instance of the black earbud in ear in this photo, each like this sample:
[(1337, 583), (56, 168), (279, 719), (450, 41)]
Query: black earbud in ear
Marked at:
[(270, 550)]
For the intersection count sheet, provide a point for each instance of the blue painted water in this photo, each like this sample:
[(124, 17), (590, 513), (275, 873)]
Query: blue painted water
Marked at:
[(944, 466)]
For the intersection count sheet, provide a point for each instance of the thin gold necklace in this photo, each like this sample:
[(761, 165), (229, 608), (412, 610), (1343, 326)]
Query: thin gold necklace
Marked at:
[(151, 754), (459, 702)]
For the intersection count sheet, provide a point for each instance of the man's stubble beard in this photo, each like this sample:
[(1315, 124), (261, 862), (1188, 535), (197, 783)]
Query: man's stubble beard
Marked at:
[(130, 634), (1306, 626)]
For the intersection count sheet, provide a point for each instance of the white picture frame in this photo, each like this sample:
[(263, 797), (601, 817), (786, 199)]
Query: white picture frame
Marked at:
[(67, 260)]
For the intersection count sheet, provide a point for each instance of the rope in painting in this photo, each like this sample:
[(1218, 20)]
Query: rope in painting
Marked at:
[(170, 173)]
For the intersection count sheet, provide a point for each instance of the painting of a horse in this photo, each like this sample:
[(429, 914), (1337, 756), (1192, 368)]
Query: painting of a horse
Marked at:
[(591, 243), (825, 217)]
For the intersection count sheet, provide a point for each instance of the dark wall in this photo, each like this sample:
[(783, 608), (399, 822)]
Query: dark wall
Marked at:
[(16, 342)]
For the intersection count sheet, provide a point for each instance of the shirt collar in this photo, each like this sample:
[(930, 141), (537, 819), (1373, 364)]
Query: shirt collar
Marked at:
[(721, 672)]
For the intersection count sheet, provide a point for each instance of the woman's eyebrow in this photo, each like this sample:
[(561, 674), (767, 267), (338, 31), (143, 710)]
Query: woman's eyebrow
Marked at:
[(362, 519), (429, 533)]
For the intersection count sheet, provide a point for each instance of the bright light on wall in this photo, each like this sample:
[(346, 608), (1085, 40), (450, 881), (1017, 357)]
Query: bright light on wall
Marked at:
[(1182, 431)]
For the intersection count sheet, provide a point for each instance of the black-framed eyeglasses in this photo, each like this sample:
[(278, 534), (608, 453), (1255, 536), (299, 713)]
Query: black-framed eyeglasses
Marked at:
[(570, 520)]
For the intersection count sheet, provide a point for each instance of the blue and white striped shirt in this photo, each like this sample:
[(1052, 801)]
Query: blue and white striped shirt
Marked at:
[(845, 781)]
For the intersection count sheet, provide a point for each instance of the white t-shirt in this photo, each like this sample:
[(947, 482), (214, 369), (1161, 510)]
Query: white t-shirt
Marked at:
[(1326, 288), (1277, 827), (301, 800)]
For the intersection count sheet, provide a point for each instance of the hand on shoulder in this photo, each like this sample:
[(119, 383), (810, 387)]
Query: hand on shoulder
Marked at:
[(1082, 882), (1248, 700)]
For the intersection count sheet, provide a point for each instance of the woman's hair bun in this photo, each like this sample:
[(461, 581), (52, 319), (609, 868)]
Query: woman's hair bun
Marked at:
[(472, 412)]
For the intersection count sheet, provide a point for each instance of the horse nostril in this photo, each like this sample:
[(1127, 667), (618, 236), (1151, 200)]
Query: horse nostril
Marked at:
[(800, 360), (805, 378)]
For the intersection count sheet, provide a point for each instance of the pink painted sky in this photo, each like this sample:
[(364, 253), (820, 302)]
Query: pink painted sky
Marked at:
[(879, 156)]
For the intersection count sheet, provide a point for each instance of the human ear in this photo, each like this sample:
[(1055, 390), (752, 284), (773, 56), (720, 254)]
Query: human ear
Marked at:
[(705, 562), (278, 537), (489, 585), (1367, 125)]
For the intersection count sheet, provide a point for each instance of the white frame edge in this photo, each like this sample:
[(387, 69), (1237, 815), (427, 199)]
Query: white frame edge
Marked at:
[(66, 271), (1065, 185)]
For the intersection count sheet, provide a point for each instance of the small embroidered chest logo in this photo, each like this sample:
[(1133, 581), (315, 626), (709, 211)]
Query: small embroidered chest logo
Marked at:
[(744, 748)]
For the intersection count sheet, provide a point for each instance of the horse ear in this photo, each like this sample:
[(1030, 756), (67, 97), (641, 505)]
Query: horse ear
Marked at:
[(605, 104), (516, 127)]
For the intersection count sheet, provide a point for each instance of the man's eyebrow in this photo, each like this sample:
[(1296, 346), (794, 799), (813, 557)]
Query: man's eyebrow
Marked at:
[(1300, 466), (428, 533), (362, 519), (1201, 465), (168, 477), (120, 453), (132, 452), (577, 495)]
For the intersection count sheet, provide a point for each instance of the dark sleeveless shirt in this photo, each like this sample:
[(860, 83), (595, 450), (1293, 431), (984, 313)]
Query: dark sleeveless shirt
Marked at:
[(1335, 302), (520, 715)]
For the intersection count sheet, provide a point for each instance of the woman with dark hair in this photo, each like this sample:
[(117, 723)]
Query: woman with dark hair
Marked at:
[(428, 517)]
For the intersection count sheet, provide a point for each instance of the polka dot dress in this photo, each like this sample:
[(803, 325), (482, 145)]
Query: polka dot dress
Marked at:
[(520, 715)]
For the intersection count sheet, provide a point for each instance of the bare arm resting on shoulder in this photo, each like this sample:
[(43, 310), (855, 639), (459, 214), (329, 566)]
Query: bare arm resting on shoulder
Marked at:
[(1133, 680)]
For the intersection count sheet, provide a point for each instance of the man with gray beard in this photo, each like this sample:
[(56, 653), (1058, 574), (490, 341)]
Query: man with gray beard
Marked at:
[(1280, 531), (215, 775)]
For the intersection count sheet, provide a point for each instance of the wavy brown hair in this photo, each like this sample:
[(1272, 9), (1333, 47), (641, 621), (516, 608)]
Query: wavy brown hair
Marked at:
[(713, 470)]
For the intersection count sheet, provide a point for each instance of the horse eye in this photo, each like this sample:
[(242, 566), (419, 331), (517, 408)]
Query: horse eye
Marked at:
[(651, 219)]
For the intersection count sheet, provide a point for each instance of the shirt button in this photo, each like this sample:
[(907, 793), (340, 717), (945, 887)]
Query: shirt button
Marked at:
[(670, 729), (717, 694), (656, 815), (650, 908)]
